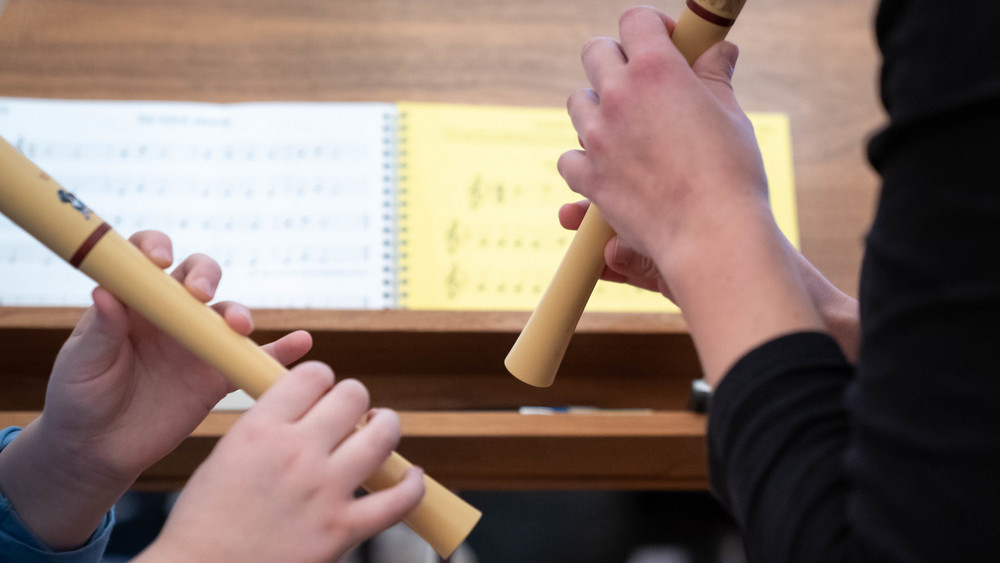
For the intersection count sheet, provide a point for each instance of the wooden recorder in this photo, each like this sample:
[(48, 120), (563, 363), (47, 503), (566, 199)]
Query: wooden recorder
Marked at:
[(539, 350), (54, 216)]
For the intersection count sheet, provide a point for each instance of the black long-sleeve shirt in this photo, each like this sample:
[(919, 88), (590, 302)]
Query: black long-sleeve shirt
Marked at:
[(898, 457)]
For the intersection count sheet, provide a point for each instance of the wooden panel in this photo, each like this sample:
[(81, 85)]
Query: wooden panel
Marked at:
[(507, 451), (424, 360), (26, 357)]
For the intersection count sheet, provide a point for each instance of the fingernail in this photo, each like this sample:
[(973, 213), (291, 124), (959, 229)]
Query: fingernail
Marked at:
[(161, 256), (202, 285), (246, 315), (247, 318)]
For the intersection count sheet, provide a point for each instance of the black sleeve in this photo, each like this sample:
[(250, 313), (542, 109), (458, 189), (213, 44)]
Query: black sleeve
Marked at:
[(899, 461), (778, 429)]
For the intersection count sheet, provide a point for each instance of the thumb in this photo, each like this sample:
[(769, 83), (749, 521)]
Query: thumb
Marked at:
[(715, 68), (98, 336)]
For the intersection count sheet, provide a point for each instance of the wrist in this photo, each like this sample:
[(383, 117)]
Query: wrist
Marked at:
[(737, 286), (843, 322), (839, 310), (170, 546), (59, 499), (722, 237), (80, 462)]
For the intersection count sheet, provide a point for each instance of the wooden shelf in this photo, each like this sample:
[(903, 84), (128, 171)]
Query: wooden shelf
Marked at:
[(444, 372), (507, 450), (420, 360)]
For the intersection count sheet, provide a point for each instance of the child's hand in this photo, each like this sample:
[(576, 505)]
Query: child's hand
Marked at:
[(125, 393), (280, 485), (122, 395)]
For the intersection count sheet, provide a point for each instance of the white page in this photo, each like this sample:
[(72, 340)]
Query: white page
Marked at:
[(293, 199)]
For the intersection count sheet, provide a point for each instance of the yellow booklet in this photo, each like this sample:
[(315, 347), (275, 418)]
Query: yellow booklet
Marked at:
[(479, 194)]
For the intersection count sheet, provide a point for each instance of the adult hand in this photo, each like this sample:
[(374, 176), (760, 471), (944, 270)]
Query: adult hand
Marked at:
[(672, 162), (667, 151)]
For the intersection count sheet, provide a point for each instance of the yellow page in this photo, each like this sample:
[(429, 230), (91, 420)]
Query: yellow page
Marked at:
[(479, 195)]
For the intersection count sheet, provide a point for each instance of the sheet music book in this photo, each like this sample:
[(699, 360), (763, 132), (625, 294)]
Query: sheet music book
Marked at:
[(328, 205)]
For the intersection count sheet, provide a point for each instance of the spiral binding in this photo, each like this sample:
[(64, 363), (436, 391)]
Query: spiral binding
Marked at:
[(395, 188)]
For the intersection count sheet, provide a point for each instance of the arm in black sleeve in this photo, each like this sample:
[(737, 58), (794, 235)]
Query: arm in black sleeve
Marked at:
[(778, 430)]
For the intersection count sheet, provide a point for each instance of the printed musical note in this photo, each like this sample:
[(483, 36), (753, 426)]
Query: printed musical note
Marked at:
[(475, 193), (454, 282), (455, 235)]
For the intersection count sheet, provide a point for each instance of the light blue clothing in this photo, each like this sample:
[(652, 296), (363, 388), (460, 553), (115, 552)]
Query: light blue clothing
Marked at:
[(19, 545)]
